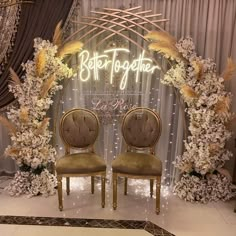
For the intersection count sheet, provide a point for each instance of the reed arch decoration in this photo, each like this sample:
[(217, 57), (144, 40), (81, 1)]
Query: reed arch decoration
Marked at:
[(129, 24)]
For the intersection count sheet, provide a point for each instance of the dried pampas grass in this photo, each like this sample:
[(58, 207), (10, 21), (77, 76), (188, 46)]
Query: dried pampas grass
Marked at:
[(14, 79), (222, 106), (167, 49), (12, 152), (24, 114), (45, 151), (5, 122), (187, 167), (188, 92), (231, 123), (213, 148), (198, 68), (47, 85), (57, 37), (40, 62), (225, 173), (230, 70), (160, 36), (42, 126), (70, 48)]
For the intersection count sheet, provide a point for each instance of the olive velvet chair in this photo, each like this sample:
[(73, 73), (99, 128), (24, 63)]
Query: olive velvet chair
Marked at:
[(141, 129), (79, 130)]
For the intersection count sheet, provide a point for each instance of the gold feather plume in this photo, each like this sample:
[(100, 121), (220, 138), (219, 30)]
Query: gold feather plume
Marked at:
[(188, 92), (24, 114), (42, 126), (198, 67), (166, 49), (47, 85), (70, 48), (14, 77), (213, 148), (225, 173), (12, 152), (230, 124), (229, 70), (45, 151), (40, 62), (5, 122), (57, 37), (186, 167), (223, 105), (160, 36)]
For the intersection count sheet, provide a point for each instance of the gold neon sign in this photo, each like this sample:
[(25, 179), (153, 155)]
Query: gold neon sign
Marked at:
[(90, 65)]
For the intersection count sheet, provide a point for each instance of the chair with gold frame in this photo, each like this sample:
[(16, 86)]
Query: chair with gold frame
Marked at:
[(141, 129), (79, 130)]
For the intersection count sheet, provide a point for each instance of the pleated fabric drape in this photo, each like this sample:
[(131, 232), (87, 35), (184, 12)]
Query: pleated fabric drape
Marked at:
[(37, 20)]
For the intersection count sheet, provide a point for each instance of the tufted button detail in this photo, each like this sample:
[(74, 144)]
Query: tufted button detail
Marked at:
[(141, 128), (80, 128)]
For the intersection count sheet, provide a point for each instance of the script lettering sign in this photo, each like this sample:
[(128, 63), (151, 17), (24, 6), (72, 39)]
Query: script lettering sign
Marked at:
[(90, 65)]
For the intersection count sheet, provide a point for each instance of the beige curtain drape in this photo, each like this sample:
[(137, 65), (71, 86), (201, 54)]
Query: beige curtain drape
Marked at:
[(212, 25), (36, 20)]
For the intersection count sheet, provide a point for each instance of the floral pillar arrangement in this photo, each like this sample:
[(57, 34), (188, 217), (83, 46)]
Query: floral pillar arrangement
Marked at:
[(27, 121), (203, 178)]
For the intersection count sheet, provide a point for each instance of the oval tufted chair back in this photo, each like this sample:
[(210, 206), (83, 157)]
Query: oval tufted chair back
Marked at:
[(79, 128), (141, 128)]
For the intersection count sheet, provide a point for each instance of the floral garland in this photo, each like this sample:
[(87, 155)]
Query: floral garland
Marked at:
[(203, 177), (27, 123)]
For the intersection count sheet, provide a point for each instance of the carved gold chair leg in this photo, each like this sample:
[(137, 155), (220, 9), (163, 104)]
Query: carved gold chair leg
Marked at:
[(114, 180), (158, 192), (151, 187), (92, 184), (59, 189), (68, 185), (125, 186), (103, 190)]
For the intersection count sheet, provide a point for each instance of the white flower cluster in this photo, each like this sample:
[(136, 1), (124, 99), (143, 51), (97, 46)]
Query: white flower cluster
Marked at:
[(212, 187), (32, 184), (20, 184), (187, 48), (175, 76), (30, 143), (208, 112)]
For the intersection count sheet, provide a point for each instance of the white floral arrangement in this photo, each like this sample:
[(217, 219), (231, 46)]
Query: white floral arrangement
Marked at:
[(203, 176), (27, 122)]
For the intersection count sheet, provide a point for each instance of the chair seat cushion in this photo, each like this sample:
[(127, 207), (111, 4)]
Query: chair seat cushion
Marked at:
[(80, 163), (137, 164)]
